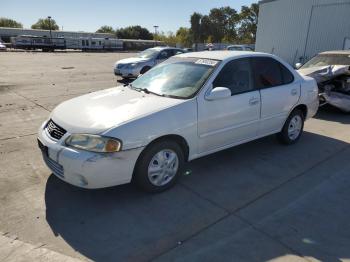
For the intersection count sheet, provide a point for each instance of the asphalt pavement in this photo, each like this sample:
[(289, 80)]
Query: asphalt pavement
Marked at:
[(260, 201)]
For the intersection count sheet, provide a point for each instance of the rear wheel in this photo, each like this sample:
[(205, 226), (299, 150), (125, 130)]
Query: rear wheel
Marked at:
[(293, 128), (159, 166)]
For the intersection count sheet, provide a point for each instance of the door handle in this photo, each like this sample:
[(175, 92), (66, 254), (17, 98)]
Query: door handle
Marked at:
[(294, 92), (253, 101)]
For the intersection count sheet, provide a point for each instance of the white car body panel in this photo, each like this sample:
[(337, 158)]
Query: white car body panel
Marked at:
[(227, 121), (169, 121), (99, 170), (275, 111), (96, 112), (137, 119)]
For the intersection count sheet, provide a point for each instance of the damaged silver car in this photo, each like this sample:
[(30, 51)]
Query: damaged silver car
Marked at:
[(331, 70)]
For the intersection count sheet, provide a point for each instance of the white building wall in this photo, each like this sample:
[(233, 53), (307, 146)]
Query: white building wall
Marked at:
[(296, 30)]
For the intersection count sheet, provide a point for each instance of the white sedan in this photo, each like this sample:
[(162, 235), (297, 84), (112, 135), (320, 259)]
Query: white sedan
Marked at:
[(190, 106)]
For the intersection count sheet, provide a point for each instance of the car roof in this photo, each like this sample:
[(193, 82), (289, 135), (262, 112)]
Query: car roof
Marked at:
[(223, 55), (159, 48), (336, 52), (237, 45)]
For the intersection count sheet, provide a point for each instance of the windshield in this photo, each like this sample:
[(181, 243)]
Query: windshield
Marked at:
[(177, 77), (328, 59), (148, 53)]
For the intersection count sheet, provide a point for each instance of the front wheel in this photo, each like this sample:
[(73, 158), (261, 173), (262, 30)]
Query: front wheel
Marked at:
[(292, 129), (159, 166)]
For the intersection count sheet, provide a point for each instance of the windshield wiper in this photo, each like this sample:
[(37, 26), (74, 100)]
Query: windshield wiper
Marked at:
[(133, 88), (150, 92), (145, 90)]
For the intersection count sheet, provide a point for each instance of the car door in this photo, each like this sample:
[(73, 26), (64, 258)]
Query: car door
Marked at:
[(279, 93), (232, 120)]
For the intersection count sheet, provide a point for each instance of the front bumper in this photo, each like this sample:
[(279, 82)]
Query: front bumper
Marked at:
[(87, 169), (127, 71)]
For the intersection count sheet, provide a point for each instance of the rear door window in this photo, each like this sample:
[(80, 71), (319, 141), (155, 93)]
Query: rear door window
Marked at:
[(268, 72)]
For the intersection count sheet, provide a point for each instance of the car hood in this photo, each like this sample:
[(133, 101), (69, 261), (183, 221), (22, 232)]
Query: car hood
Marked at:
[(133, 60), (325, 73), (97, 112)]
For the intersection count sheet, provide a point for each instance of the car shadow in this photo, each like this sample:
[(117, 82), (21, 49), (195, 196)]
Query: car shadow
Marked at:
[(332, 114), (123, 223)]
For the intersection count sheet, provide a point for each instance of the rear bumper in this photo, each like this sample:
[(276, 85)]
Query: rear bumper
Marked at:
[(312, 108), (87, 169)]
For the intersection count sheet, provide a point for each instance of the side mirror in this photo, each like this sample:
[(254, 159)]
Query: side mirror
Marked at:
[(298, 65), (218, 93)]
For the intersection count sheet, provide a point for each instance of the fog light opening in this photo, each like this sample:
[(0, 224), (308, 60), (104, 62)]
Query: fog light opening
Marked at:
[(82, 180)]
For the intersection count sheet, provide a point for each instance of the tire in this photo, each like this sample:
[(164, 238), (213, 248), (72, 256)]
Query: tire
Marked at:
[(293, 128), (158, 156), (145, 69)]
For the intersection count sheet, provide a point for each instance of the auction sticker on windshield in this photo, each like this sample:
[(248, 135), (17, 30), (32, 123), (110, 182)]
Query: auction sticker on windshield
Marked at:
[(208, 62)]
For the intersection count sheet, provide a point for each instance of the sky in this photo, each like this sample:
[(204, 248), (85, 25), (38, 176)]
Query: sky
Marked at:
[(89, 15)]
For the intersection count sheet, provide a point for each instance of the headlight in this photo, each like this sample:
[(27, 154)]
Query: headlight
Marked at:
[(94, 143), (133, 65)]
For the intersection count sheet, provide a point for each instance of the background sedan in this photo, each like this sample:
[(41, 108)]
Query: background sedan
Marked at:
[(144, 61)]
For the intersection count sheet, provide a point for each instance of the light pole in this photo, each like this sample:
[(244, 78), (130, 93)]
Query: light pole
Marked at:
[(155, 33), (49, 17)]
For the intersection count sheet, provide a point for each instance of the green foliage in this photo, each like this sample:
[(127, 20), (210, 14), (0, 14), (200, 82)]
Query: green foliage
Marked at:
[(168, 38), (7, 22), (196, 26), (184, 37), (106, 29), (134, 32), (226, 25), (46, 24), (249, 22)]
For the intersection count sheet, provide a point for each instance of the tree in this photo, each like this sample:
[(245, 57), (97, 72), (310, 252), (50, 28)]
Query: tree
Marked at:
[(231, 20), (134, 32), (225, 24), (249, 22), (184, 36), (46, 24), (7, 22), (168, 38), (196, 26), (206, 29), (217, 22), (106, 29)]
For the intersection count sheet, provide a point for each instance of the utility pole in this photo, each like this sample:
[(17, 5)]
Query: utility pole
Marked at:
[(155, 33), (49, 17)]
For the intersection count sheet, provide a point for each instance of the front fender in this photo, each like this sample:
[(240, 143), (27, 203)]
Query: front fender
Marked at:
[(179, 120)]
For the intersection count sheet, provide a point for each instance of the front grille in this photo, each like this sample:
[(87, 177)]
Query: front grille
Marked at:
[(54, 130), (55, 167)]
